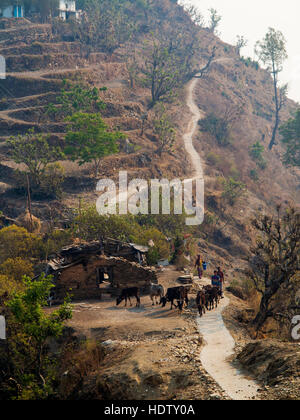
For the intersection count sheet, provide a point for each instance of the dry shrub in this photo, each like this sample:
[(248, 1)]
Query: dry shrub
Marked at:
[(16, 268), (85, 360), (17, 242), (8, 286), (31, 223)]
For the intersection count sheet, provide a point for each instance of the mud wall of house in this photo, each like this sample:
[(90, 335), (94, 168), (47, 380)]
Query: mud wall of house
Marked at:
[(80, 281)]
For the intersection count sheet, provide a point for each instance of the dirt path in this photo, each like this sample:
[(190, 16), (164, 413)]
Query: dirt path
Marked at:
[(188, 136), (217, 353), (197, 115), (215, 356)]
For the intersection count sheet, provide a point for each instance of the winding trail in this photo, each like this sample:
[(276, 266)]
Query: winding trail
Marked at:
[(188, 136), (220, 345)]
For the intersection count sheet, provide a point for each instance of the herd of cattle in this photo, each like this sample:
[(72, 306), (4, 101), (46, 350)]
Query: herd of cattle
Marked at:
[(207, 299)]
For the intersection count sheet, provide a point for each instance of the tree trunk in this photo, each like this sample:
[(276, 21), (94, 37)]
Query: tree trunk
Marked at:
[(263, 313), (273, 140), (264, 310), (277, 109)]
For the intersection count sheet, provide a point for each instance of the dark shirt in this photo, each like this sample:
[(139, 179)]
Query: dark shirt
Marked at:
[(215, 280), (221, 275)]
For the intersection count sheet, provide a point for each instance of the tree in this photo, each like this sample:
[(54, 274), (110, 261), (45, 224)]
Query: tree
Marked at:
[(290, 132), (106, 24), (241, 43), (221, 126), (46, 8), (16, 268), (161, 248), (162, 72), (90, 225), (256, 152), (164, 130), (35, 152), (170, 62), (215, 20), (29, 368), (76, 98), (194, 14), (233, 190), (18, 242), (88, 139), (271, 51), (276, 257), (200, 73)]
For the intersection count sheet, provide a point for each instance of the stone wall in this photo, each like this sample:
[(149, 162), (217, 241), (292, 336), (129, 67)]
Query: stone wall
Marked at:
[(81, 280)]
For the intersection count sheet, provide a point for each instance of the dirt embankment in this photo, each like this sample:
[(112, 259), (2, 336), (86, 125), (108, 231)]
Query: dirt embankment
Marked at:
[(275, 364), (154, 353)]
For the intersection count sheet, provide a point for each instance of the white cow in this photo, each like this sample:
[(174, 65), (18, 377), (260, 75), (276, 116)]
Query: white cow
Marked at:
[(156, 291)]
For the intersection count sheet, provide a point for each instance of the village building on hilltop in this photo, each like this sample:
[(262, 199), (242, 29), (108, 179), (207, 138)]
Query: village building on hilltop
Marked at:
[(67, 10), (16, 9)]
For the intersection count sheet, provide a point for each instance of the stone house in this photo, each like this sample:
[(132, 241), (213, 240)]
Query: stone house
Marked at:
[(89, 270)]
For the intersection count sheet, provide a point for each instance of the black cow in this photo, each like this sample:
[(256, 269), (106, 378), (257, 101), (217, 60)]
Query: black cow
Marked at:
[(180, 294), (129, 293), (212, 295), (201, 302)]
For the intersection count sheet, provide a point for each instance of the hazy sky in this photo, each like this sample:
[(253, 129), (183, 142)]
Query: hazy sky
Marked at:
[(252, 19)]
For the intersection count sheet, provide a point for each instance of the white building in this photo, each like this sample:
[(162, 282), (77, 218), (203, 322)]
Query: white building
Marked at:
[(12, 11), (67, 10)]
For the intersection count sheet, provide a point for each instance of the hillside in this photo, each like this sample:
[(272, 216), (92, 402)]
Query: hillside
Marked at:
[(38, 60)]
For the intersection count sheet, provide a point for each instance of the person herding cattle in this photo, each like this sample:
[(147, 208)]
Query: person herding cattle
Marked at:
[(222, 280), (199, 266), (215, 279)]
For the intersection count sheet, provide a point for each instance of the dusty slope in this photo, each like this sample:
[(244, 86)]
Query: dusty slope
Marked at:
[(152, 352), (37, 63)]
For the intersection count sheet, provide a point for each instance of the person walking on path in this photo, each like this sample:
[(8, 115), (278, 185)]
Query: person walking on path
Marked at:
[(215, 280), (199, 265), (222, 279)]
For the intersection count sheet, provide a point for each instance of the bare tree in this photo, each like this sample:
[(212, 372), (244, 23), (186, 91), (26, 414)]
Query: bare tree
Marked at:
[(205, 69), (241, 43), (169, 63), (215, 20), (276, 257), (194, 14)]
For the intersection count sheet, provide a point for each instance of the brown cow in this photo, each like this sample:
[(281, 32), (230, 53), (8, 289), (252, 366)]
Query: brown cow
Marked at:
[(213, 296), (179, 293), (129, 293), (201, 302)]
